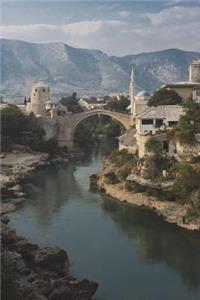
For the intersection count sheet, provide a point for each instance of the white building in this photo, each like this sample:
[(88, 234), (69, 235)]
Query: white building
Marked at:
[(156, 118)]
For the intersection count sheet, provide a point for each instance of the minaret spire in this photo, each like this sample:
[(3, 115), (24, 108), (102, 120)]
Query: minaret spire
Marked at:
[(132, 91)]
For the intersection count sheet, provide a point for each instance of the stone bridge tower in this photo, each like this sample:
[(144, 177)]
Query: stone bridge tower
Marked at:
[(40, 94)]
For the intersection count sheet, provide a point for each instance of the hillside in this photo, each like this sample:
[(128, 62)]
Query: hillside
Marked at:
[(67, 69)]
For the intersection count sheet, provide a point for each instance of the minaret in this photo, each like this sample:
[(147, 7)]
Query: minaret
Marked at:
[(132, 91)]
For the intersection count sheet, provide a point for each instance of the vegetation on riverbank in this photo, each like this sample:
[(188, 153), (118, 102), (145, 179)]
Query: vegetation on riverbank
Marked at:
[(18, 128), (156, 175)]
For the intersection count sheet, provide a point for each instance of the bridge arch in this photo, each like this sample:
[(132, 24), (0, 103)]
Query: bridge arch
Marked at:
[(124, 119), (68, 124)]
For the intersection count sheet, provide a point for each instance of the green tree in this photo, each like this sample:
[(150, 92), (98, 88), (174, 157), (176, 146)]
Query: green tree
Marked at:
[(189, 124), (71, 103), (165, 97), (13, 122), (118, 105)]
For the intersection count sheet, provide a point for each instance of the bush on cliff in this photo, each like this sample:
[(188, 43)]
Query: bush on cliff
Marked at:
[(186, 182), (120, 157), (111, 178), (153, 146)]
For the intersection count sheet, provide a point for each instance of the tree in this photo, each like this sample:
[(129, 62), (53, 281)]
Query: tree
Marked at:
[(71, 103), (165, 97), (13, 122), (189, 124), (118, 105)]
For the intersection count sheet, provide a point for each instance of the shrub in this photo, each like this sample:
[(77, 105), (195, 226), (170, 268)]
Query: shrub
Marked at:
[(153, 146), (111, 178), (125, 170), (121, 157), (155, 165), (186, 136), (133, 186), (187, 180)]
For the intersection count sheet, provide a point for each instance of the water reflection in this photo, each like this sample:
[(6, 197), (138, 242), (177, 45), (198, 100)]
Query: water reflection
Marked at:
[(49, 193), (156, 241)]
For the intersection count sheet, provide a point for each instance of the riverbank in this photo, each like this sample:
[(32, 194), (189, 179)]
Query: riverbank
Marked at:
[(171, 212), (15, 167)]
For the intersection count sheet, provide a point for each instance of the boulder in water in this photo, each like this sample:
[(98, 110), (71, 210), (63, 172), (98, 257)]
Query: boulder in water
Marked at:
[(52, 259)]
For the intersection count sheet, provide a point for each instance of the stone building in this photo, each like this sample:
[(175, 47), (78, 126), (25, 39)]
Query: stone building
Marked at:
[(194, 71), (40, 94), (185, 89), (154, 119)]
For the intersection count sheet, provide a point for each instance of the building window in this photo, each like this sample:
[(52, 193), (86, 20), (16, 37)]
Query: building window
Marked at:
[(159, 123), (35, 90), (147, 122), (172, 123), (33, 94), (43, 90)]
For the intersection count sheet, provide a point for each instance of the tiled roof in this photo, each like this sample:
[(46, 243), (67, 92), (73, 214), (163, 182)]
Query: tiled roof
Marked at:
[(180, 84), (169, 112)]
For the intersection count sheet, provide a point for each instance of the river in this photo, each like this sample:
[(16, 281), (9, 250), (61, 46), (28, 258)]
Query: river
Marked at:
[(132, 254)]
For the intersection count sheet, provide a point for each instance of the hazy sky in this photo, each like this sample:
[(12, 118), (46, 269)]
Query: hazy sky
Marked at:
[(116, 27)]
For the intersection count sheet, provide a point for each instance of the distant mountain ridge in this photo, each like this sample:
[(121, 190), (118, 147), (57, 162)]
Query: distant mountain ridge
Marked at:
[(67, 69)]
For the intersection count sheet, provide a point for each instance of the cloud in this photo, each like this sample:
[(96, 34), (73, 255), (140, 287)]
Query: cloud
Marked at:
[(172, 27), (124, 13), (175, 15)]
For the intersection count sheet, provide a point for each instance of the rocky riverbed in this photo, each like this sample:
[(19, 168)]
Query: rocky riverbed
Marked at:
[(38, 273)]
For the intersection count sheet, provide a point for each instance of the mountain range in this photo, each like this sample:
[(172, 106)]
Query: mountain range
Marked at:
[(89, 72)]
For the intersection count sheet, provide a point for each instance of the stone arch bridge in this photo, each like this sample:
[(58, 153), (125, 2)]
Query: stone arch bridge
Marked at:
[(67, 124)]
